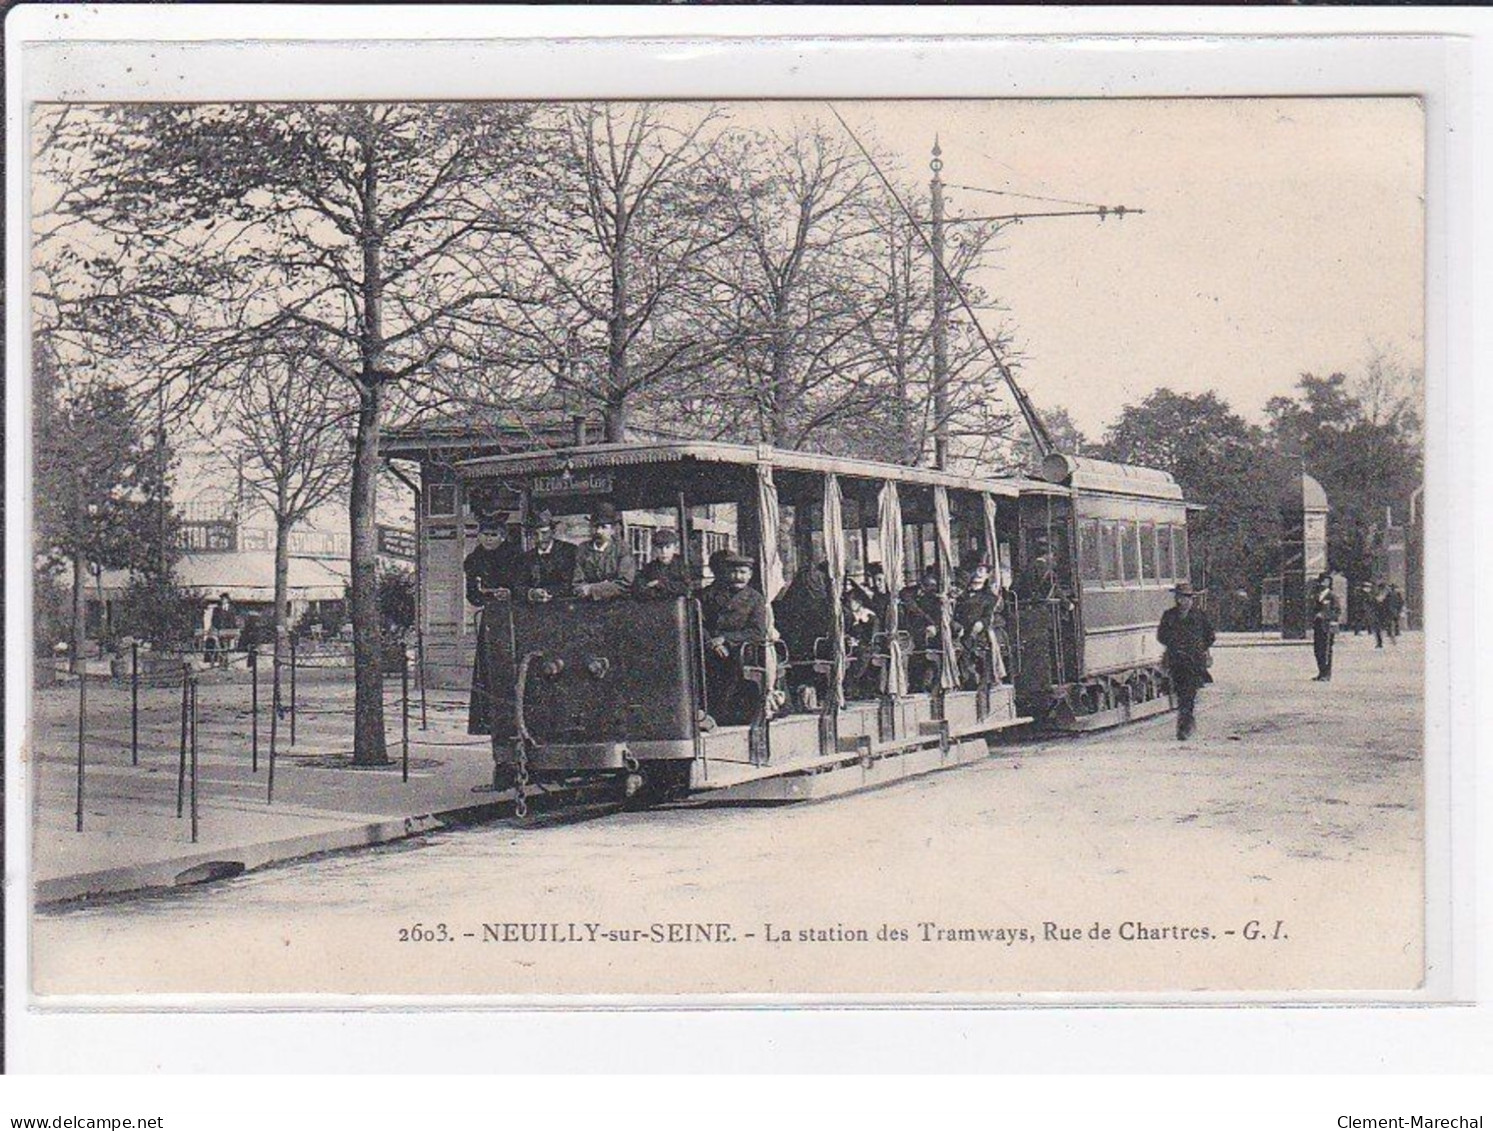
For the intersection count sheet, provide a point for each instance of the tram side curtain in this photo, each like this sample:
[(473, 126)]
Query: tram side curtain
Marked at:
[(992, 547), (890, 520), (943, 533), (769, 561), (834, 560)]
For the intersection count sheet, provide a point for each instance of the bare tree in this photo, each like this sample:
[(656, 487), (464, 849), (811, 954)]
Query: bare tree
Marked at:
[(373, 229), (636, 209)]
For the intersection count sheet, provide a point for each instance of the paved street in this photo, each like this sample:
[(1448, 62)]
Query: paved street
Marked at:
[(1281, 849)]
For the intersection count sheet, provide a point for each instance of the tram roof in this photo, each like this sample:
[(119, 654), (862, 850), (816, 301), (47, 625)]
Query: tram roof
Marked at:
[(704, 451)]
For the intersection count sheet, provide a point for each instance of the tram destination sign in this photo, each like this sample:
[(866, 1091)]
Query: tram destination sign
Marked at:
[(593, 483)]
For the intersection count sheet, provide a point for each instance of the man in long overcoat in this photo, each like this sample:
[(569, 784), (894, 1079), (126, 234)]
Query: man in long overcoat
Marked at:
[(1186, 634), (732, 614), (493, 570)]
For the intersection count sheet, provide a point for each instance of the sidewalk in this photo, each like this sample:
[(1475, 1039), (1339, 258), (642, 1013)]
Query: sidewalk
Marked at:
[(132, 839)]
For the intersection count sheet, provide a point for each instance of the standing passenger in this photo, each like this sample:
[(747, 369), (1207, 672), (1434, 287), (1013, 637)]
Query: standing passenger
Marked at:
[(1186, 634), (1326, 612), (492, 571), (550, 565), (604, 566)]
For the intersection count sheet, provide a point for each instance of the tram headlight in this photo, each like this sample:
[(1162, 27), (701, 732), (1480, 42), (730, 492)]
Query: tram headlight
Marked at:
[(598, 666), (552, 667)]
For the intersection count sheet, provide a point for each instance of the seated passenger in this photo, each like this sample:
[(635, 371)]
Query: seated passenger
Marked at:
[(604, 566), (733, 614), (879, 600), (862, 626), (978, 615), (920, 614), (804, 616), (550, 566), (665, 575)]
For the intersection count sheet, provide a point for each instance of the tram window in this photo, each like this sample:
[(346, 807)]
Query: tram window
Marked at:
[(1128, 552), (1109, 550), (1164, 552), (1088, 552), (1148, 551), (1179, 552)]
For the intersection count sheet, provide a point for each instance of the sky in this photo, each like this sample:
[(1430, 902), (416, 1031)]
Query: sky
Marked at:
[(1280, 236)]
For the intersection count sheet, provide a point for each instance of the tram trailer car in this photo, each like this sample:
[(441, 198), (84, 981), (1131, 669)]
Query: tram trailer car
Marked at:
[(1117, 542), (616, 690)]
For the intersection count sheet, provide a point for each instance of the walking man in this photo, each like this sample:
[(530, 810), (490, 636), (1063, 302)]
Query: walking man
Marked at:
[(1186, 634), (1394, 605), (1326, 611)]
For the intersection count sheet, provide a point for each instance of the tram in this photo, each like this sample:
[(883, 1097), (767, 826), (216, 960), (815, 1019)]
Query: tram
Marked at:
[(581, 690)]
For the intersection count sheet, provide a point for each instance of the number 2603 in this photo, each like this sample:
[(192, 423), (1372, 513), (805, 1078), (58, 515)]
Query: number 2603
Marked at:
[(419, 932)]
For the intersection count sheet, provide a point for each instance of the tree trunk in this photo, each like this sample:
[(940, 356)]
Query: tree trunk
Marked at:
[(282, 579), (368, 674), (616, 416), (80, 611), (368, 699)]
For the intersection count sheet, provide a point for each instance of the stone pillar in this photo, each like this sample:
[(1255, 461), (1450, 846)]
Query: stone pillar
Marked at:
[(1303, 513)]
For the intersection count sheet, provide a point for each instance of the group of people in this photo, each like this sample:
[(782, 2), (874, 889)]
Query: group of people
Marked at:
[(1380, 607)]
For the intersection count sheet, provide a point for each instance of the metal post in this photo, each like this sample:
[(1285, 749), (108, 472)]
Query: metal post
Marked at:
[(82, 734), (181, 762), (292, 690), (269, 794), (420, 675), (194, 760), (134, 702), (404, 720), (254, 705)]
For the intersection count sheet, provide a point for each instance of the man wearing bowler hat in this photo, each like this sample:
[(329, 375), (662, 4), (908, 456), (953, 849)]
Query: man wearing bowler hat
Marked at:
[(1186, 634), (549, 566), (604, 566)]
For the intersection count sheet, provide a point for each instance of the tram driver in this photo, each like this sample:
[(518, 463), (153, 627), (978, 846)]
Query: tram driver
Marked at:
[(493, 570), (733, 615), (604, 566)]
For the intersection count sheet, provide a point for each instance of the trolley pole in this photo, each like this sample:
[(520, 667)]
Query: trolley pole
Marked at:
[(134, 702), (82, 735), (181, 762), (194, 760), (404, 713), (940, 320), (254, 706)]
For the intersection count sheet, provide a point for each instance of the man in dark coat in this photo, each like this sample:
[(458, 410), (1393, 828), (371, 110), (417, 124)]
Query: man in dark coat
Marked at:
[(1326, 611), (862, 626), (550, 565), (979, 616), (663, 576), (920, 615), (804, 616), (733, 614), (1394, 605), (493, 570), (604, 566), (1186, 634)]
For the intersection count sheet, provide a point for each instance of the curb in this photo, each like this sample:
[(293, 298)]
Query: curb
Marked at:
[(225, 863)]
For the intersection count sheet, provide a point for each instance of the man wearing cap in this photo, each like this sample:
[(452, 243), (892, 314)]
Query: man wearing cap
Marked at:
[(604, 566), (664, 576), (732, 614), (550, 565), (1186, 634), (1326, 611)]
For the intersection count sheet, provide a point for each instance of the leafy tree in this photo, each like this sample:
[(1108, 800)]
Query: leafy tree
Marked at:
[(1366, 455), (1221, 462), (100, 499)]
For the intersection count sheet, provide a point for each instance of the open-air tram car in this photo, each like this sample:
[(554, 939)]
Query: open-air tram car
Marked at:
[(619, 688)]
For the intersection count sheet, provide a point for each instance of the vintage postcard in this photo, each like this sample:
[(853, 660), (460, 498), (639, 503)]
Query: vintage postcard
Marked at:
[(672, 549)]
